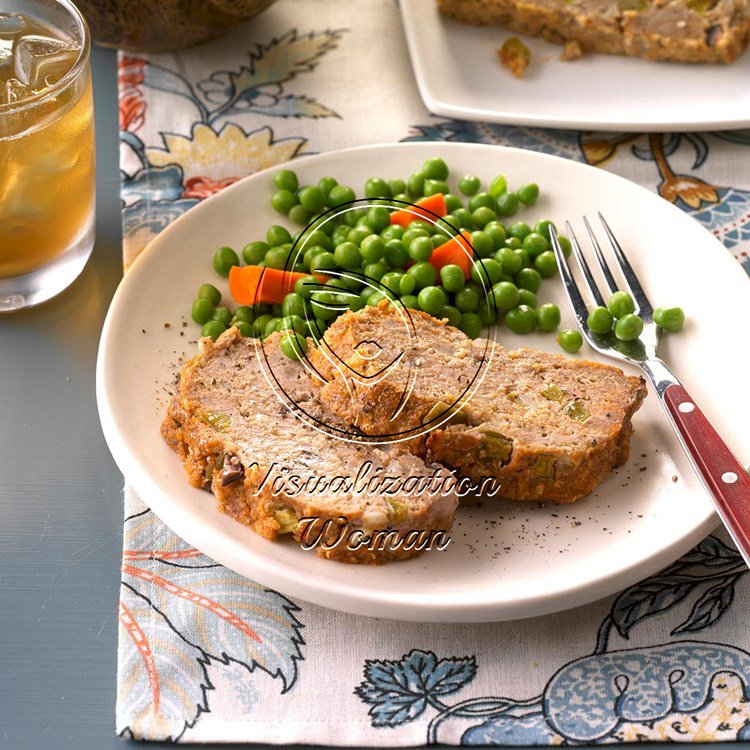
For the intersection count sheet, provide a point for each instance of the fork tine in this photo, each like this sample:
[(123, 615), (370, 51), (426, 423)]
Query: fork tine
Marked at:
[(643, 306), (601, 260), (574, 294), (590, 280)]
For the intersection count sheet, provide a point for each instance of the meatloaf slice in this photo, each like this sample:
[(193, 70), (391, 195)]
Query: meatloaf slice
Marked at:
[(700, 31), (236, 438), (545, 426)]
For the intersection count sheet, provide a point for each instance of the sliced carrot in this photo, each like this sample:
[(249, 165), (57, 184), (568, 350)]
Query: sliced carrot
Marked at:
[(250, 285), (431, 205), (456, 251)]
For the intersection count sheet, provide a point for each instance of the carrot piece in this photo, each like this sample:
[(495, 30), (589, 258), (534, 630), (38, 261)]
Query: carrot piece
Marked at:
[(432, 204), (250, 285), (456, 251)]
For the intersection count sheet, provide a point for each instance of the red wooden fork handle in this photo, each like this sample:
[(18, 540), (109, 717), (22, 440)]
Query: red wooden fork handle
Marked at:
[(723, 475)]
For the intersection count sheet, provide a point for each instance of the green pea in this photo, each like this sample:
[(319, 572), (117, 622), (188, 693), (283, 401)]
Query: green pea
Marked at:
[(528, 194), (340, 234), (310, 253), (410, 301), (316, 238), (415, 185), (452, 278), (223, 315), (486, 271), (243, 312), (357, 234), (392, 281), (483, 216), (340, 195), (355, 303), (487, 311), (669, 318), (527, 297), (548, 317), (325, 305), (392, 232), (600, 320), (224, 259), (471, 324), (505, 296), (326, 184), (496, 231), (535, 243), (482, 243), (293, 323), (323, 262), (520, 319), (372, 249), (402, 198), (452, 315), (620, 304), (420, 248), (283, 200), (277, 310), (435, 169), (424, 226), (201, 311), (376, 270), (514, 244), (376, 187), (452, 202), (629, 327), (433, 187), (412, 233), (254, 252), (498, 186), (378, 218), (565, 245), (542, 227), (467, 299), (520, 229), (294, 304), (211, 293), (213, 329), (463, 217), (312, 199), (294, 346), (481, 200), (300, 215), (529, 278), (396, 253), (509, 260), (277, 235), (432, 300), (469, 184), (277, 257), (570, 340), (524, 256), (396, 186), (376, 298), (546, 264), (246, 329), (406, 285), (259, 325), (347, 256), (285, 179), (424, 274), (507, 204)]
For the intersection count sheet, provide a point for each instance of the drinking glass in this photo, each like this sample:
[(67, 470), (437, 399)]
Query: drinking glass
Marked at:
[(46, 150)]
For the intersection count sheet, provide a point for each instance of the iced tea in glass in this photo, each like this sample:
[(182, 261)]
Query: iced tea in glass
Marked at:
[(46, 150)]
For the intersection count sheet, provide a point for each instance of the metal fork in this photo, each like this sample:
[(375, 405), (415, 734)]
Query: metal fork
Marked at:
[(723, 476)]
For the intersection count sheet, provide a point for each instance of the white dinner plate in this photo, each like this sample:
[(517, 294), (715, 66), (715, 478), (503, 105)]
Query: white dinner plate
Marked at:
[(459, 76), (505, 560)]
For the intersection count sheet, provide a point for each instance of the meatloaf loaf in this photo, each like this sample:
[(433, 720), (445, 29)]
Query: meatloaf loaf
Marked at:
[(232, 432), (545, 426), (707, 31)]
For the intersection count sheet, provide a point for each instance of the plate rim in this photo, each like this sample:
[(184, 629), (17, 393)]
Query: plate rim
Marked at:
[(438, 106), (345, 596)]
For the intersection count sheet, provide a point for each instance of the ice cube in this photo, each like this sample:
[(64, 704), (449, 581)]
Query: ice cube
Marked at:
[(40, 61), (12, 91), (11, 25)]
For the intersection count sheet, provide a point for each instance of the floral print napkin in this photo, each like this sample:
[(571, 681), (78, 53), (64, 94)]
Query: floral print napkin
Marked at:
[(206, 655)]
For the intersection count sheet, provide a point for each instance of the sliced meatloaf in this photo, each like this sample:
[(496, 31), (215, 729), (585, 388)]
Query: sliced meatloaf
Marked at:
[(707, 31), (545, 426), (237, 438)]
